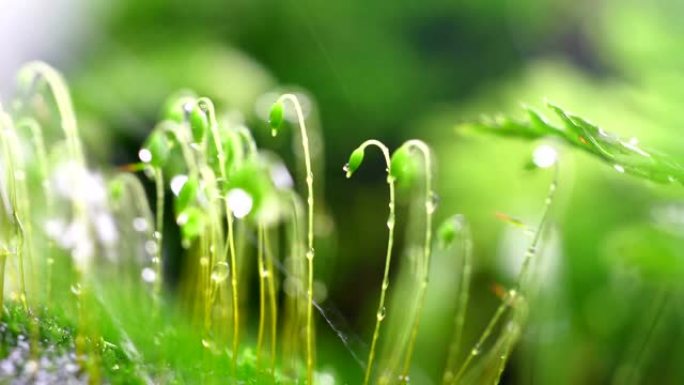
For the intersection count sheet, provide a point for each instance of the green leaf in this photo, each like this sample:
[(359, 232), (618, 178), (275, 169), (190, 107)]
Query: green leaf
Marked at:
[(625, 155)]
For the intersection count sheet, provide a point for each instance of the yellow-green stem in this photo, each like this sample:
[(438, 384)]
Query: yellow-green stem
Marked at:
[(429, 209), (158, 235), (214, 130), (262, 294), (272, 298), (461, 307), (520, 285), (380, 312), (310, 236)]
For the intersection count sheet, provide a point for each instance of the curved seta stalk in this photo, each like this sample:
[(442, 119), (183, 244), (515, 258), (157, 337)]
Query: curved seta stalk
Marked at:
[(423, 148), (380, 312), (310, 236)]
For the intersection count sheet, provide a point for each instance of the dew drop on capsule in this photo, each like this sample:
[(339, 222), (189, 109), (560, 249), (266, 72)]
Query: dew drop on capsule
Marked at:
[(220, 272)]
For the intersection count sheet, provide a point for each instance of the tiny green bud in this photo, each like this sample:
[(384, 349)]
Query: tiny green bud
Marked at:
[(403, 166), (276, 117), (199, 123), (227, 139), (177, 108), (355, 160), (450, 229), (187, 195), (251, 185), (116, 189), (156, 149), (191, 222)]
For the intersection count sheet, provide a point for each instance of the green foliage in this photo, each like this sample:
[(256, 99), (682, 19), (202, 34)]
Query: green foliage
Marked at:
[(624, 155)]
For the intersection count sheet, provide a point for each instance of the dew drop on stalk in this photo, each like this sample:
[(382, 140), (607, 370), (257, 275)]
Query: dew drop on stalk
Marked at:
[(76, 289), (151, 247), (310, 254), (390, 223), (148, 275), (204, 261), (619, 168), (220, 272), (381, 314), (140, 224), (432, 203)]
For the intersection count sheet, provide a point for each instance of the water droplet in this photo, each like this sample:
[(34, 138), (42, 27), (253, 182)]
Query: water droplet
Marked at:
[(619, 168), (220, 272), (265, 274), (76, 289), (544, 156), (432, 203), (207, 344), (145, 155), (140, 224), (475, 351), (390, 223), (182, 219), (346, 168), (381, 313), (274, 132), (177, 183), (310, 254), (148, 275), (385, 285), (151, 247), (240, 202), (204, 261), (511, 296)]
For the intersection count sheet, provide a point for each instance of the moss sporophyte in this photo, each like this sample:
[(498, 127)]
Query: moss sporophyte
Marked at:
[(89, 251)]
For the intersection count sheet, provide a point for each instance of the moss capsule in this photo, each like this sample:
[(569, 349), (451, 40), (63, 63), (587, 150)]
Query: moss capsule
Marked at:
[(403, 166), (355, 160), (276, 117), (187, 195)]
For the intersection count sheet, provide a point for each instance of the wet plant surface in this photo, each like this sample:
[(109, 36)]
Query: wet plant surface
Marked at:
[(85, 258)]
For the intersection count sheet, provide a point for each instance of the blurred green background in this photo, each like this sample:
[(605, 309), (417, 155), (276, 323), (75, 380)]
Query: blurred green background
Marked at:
[(610, 310)]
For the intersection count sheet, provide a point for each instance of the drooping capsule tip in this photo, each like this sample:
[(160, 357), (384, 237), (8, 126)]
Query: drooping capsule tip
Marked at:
[(355, 160), (276, 117)]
